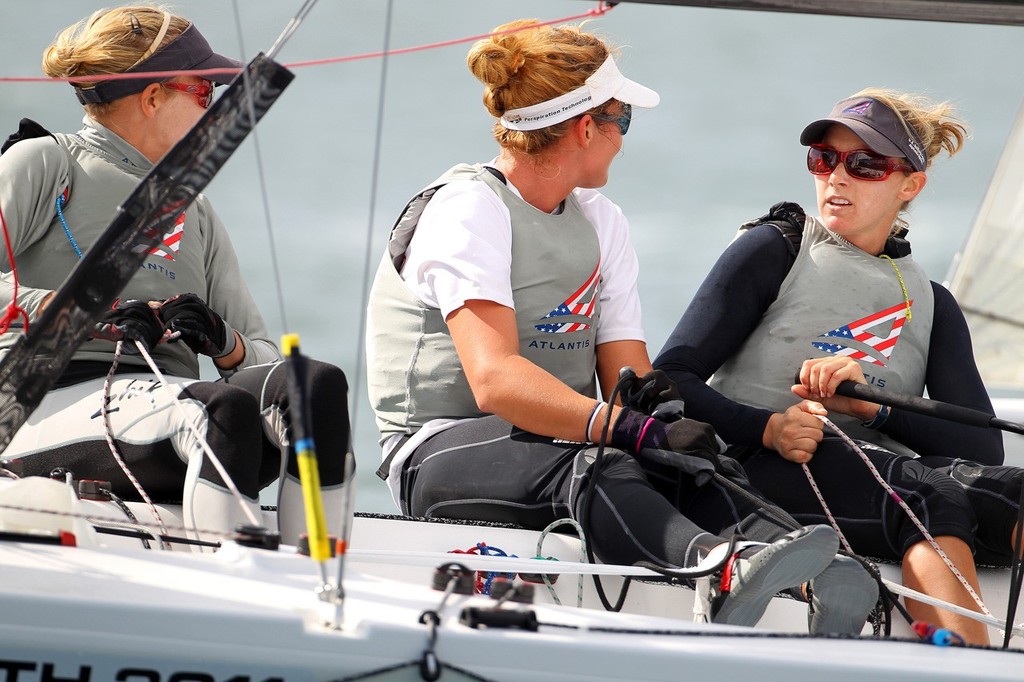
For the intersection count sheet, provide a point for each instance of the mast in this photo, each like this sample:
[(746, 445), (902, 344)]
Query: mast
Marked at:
[(1004, 12)]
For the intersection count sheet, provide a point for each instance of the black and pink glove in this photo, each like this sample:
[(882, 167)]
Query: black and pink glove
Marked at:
[(685, 443)]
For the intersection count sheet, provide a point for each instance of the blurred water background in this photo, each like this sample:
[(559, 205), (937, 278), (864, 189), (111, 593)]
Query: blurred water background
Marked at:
[(737, 88)]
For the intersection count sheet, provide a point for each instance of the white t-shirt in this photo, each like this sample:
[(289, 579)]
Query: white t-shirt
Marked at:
[(462, 250)]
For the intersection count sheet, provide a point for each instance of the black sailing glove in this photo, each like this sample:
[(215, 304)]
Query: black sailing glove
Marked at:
[(132, 321), (193, 322), (646, 393), (785, 214), (789, 212), (788, 218), (685, 444)]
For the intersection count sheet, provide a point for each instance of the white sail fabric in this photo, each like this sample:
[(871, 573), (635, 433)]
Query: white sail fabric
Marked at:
[(989, 279)]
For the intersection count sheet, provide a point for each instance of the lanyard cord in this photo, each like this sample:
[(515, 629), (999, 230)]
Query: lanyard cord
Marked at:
[(903, 286)]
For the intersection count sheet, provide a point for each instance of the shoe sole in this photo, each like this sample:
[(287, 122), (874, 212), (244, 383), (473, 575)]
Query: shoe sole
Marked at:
[(789, 565), (847, 585)]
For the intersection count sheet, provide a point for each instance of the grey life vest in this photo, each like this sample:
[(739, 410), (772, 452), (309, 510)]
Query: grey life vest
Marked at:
[(413, 371), (836, 300)]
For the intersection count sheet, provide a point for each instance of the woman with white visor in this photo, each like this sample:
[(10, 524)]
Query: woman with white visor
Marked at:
[(506, 297)]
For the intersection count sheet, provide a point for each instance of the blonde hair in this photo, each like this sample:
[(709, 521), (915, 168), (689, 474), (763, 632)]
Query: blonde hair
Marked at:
[(935, 123), (109, 41), (529, 64)]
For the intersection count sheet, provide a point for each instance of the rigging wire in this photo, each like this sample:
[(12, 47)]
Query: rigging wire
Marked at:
[(260, 172), (289, 29), (364, 294)]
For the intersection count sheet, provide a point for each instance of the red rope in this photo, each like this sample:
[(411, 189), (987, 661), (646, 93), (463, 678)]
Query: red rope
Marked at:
[(601, 9), (13, 310)]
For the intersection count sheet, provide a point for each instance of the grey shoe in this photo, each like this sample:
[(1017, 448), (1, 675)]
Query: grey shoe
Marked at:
[(842, 596), (791, 560)]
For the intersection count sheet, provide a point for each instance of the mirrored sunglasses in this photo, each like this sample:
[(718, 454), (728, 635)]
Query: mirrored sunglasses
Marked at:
[(622, 120), (862, 164)]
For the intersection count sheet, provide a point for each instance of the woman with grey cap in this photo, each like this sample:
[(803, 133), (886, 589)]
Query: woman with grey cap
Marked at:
[(58, 193), (839, 297), (507, 293)]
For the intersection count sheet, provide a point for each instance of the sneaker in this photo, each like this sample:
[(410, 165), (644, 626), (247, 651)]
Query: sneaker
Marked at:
[(842, 596), (748, 584)]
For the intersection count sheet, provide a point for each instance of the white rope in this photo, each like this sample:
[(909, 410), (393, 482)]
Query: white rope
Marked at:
[(583, 557), (108, 434), (992, 621), (199, 437), (903, 505)]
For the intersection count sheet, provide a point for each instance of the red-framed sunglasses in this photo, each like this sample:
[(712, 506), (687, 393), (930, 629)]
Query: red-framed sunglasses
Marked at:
[(203, 92), (862, 164)]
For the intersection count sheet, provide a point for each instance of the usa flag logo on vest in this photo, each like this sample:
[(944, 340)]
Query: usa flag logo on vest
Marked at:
[(870, 338), (168, 248), (575, 312)]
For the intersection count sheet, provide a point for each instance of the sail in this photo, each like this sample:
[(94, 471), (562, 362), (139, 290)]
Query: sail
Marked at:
[(987, 280), (1005, 12)]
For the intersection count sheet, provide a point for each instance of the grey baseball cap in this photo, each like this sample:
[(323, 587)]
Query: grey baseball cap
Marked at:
[(880, 127)]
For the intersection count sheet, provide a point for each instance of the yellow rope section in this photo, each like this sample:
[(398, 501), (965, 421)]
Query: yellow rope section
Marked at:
[(899, 275)]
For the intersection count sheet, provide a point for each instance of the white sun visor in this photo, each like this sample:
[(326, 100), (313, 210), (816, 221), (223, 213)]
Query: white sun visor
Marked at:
[(604, 84)]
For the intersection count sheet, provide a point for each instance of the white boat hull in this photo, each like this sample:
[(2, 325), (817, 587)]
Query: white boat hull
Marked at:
[(108, 609), (251, 615)]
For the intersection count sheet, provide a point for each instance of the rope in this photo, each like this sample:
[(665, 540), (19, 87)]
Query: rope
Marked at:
[(126, 510), (13, 311), (601, 9), (200, 438), (903, 286), (991, 621), (67, 228), (108, 434), (484, 579), (583, 557), (828, 512), (903, 505), (103, 521)]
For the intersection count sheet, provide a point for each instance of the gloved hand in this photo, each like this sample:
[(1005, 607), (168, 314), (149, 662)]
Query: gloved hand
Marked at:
[(192, 321), (131, 320), (649, 437), (786, 211), (788, 218), (646, 393), (634, 432)]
